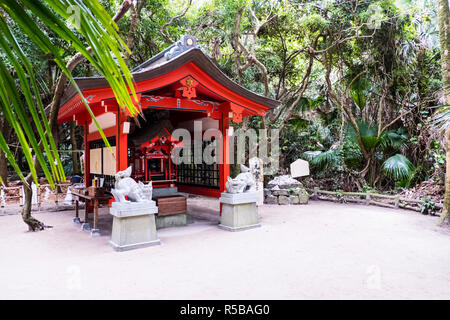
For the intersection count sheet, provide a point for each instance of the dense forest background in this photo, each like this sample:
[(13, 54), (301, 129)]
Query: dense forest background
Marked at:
[(359, 81)]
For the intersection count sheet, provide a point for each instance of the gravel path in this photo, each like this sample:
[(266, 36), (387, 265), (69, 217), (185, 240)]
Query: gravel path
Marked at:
[(318, 251)]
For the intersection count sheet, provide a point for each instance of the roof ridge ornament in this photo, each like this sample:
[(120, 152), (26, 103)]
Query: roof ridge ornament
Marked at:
[(185, 43)]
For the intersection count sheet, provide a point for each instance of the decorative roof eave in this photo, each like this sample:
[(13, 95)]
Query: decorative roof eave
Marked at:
[(167, 61)]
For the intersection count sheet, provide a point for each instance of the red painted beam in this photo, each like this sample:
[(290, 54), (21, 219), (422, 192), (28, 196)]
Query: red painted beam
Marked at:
[(182, 104)]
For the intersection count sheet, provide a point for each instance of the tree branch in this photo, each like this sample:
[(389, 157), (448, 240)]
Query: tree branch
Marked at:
[(162, 29)]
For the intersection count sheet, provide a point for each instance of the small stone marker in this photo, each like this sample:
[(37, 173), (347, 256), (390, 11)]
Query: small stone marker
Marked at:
[(256, 168), (47, 193), (2, 199), (299, 168), (34, 199), (68, 198)]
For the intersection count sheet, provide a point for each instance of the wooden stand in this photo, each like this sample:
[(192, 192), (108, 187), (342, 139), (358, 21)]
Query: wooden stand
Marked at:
[(171, 211), (95, 201)]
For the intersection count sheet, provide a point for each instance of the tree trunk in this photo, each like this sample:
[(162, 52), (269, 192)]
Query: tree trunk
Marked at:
[(33, 224), (445, 216), (444, 37), (3, 168)]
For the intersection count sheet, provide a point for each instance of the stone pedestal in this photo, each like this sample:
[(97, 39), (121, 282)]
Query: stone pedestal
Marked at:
[(133, 225), (175, 220), (239, 211)]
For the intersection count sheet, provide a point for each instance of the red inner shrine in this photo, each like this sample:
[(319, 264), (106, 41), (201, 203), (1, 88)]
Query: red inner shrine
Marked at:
[(175, 88), (152, 161)]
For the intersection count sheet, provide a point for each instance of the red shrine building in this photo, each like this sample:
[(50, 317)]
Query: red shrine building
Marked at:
[(176, 87)]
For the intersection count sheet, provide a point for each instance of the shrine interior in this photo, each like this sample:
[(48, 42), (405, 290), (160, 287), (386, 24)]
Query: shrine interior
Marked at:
[(150, 146)]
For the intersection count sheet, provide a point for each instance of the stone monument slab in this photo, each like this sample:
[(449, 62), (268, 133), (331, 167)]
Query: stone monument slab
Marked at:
[(299, 168), (256, 168)]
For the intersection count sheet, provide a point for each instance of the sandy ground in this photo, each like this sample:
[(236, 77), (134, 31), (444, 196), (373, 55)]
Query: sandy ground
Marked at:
[(318, 251)]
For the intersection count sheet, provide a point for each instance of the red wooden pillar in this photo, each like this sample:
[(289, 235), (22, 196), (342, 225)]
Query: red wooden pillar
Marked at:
[(225, 156), (86, 154), (226, 153), (225, 166), (121, 143)]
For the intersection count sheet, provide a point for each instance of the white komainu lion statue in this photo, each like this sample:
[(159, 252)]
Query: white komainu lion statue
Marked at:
[(244, 182), (126, 186)]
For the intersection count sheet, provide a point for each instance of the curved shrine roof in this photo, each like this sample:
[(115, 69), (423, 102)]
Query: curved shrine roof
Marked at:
[(183, 53)]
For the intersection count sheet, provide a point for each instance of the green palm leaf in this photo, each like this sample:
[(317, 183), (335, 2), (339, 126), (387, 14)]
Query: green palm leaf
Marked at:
[(441, 118), (394, 139), (17, 104), (323, 159), (398, 167)]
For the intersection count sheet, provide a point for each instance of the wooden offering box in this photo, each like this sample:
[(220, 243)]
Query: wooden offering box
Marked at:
[(96, 191), (170, 205)]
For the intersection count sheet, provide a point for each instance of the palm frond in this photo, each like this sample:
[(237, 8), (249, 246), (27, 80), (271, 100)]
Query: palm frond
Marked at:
[(309, 155), (97, 30), (359, 98), (398, 167), (359, 92), (441, 118), (395, 139), (368, 132), (323, 159)]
